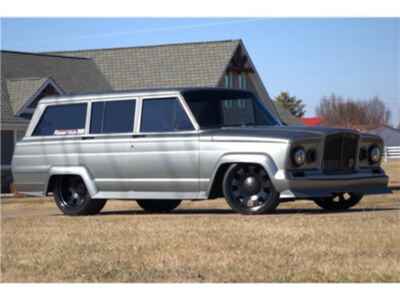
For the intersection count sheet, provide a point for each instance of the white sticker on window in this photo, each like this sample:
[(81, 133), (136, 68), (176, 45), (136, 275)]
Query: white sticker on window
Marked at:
[(69, 131)]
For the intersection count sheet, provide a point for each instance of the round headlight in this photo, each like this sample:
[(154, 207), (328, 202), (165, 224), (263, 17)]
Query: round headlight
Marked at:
[(311, 155), (299, 156), (363, 154), (375, 154)]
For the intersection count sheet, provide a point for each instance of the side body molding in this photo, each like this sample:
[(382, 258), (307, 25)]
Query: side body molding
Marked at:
[(262, 159), (75, 170)]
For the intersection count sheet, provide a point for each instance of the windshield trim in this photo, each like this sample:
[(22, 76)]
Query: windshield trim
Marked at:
[(256, 103)]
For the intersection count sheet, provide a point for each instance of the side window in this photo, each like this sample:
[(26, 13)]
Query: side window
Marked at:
[(112, 116), (66, 119), (163, 115)]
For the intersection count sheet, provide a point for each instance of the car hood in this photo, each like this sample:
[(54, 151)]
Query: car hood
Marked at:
[(278, 133)]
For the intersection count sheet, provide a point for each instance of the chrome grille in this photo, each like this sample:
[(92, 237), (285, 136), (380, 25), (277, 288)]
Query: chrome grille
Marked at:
[(340, 152)]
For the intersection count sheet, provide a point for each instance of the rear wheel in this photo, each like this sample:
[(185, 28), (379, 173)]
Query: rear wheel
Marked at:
[(72, 197), (340, 201), (158, 206), (248, 189)]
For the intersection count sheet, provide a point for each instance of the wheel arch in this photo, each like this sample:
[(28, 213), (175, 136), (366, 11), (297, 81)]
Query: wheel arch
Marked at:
[(55, 172), (227, 160)]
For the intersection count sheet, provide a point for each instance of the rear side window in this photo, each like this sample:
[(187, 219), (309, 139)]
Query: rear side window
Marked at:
[(66, 119), (163, 115), (112, 116)]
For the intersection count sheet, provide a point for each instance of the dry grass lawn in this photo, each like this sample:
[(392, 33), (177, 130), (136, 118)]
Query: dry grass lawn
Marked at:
[(201, 242), (392, 169)]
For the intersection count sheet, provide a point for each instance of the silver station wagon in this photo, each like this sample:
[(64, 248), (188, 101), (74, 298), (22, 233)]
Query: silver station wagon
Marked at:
[(160, 147)]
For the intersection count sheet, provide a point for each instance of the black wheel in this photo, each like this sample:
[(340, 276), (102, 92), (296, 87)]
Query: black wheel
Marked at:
[(248, 189), (340, 201), (158, 206), (72, 197)]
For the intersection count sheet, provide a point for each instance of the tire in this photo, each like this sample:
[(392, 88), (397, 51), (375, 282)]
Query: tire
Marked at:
[(339, 202), (73, 199), (158, 206), (248, 190)]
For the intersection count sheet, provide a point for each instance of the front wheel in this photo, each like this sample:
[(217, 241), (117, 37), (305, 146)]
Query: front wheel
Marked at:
[(72, 197), (341, 201), (248, 190), (158, 206)]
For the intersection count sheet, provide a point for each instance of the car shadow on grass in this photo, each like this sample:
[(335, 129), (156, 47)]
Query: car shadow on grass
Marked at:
[(222, 211)]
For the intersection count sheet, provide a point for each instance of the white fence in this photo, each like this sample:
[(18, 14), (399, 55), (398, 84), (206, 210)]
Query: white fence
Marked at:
[(392, 153)]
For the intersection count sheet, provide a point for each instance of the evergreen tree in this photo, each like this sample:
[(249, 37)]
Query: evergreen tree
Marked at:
[(292, 104)]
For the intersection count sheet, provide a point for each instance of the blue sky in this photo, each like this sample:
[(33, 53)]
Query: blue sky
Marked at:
[(310, 58)]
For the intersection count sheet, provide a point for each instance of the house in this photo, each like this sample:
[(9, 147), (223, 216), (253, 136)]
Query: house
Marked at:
[(390, 135), (28, 77)]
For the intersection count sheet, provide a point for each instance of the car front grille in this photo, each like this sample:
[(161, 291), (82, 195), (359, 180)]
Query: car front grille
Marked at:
[(340, 153)]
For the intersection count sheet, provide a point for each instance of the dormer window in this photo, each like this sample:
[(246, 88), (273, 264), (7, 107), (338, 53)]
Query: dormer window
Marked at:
[(228, 80), (242, 81)]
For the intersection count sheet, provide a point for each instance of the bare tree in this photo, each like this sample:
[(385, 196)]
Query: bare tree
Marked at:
[(338, 112)]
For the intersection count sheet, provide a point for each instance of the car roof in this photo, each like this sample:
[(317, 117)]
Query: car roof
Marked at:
[(127, 93)]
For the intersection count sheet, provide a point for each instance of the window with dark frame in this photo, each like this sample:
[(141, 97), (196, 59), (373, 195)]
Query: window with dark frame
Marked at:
[(242, 81), (66, 119), (164, 115), (215, 109), (112, 116)]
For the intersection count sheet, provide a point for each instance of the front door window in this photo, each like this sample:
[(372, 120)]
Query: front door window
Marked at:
[(164, 115)]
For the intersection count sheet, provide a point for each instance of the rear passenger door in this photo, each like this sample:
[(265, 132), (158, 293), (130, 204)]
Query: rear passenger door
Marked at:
[(107, 149), (166, 149)]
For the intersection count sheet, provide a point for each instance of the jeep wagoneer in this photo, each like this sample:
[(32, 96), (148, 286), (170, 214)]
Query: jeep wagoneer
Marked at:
[(160, 147)]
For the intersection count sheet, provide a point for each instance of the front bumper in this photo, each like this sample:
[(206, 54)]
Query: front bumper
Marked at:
[(315, 184)]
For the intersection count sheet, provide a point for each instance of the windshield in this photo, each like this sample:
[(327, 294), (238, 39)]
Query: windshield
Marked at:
[(225, 108)]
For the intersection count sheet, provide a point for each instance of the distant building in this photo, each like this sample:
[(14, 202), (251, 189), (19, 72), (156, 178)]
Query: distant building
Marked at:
[(28, 77), (311, 121), (390, 135)]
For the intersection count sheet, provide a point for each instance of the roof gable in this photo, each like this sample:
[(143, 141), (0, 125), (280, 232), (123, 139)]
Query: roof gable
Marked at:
[(24, 92), (178, 65), (75, 75), (72, 75)]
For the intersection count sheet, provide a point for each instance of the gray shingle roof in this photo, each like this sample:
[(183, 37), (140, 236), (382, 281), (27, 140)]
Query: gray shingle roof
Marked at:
[(7, 113), (22, 89), (72, 74), (177, 65)]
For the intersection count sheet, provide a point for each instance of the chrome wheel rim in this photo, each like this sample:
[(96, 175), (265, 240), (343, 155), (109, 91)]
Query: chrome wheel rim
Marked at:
[(342, 198)]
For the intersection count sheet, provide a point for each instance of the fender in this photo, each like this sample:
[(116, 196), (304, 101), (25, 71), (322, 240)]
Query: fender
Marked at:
[(76, 170), (262, 159)]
